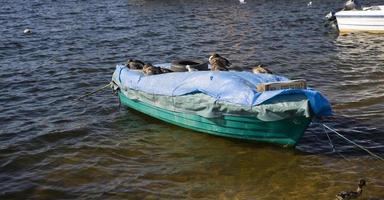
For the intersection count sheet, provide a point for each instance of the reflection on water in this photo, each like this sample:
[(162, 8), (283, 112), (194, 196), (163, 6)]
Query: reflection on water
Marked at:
[(53, 147)]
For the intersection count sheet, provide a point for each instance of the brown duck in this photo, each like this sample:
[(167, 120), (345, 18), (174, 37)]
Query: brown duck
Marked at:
[(261, 70), (218, 63), (149, 69), (134, 64), (347, 195)]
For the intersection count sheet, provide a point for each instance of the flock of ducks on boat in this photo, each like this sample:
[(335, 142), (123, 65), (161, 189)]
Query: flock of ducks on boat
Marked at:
[(217, 62)]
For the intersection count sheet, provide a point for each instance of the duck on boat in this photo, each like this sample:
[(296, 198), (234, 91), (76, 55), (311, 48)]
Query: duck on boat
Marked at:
[(259, 107), (354, 17)]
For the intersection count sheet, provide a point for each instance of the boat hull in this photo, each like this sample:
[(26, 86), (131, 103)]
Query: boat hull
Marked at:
[(360, 21), (287, 131)]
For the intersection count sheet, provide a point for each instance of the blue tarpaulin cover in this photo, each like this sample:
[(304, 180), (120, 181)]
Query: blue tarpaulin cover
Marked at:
[(233, 87)]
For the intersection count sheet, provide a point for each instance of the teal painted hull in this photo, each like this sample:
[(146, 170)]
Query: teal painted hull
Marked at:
[(286, 131)]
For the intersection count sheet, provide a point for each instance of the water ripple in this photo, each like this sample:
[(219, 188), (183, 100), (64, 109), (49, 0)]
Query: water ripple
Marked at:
[(52, 146)]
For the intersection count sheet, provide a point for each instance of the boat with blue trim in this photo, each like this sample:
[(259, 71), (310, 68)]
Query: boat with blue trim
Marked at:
[(242, 105)]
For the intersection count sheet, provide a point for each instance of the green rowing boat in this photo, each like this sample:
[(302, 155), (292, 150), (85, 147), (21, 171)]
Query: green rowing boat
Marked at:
[(286, 131), (228, 104)]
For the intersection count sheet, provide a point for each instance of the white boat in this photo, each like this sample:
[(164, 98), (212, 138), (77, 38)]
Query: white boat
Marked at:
[(368, 19)]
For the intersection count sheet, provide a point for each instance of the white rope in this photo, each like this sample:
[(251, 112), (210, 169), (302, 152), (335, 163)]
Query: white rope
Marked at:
[(330, 141), (98, 90), (361, 147), (333, 146)]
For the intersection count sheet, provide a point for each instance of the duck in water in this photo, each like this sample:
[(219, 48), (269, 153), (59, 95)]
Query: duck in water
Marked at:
[(347, 195), (27, 31), (134, 64), (218, 63), (261, 70)]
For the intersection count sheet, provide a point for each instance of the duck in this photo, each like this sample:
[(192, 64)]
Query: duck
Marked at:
[(259, 69), (218, 63), (27, 31), (149, 69), (352, 5), (134, 64), (165, 70), (190, 69), (347, 195)]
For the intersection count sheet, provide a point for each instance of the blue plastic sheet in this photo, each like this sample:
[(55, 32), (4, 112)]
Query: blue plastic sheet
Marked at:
[(233, 87)]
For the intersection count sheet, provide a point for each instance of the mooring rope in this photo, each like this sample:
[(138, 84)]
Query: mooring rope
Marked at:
[(98, 90), (333, 146), (354, 143), (329, 139)]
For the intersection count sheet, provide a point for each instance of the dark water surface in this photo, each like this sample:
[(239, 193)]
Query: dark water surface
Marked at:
[(52, 147)]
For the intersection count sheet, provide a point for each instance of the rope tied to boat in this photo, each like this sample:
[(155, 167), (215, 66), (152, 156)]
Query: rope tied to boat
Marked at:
[(333, 146), (97, 90), (352, 142), (330, 141)]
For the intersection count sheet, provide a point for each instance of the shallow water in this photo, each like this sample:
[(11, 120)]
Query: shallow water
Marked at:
[(53, 147)]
